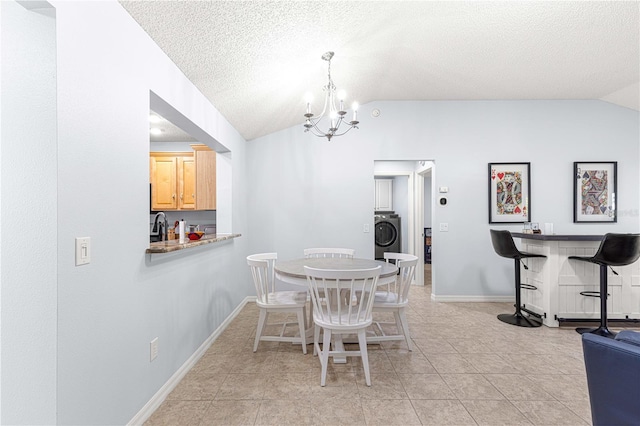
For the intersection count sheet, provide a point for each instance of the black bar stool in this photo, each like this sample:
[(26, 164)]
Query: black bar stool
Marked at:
[(614, 250), (503, 245)]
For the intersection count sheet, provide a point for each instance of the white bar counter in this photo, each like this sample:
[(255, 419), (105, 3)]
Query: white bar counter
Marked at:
[(559, 280)]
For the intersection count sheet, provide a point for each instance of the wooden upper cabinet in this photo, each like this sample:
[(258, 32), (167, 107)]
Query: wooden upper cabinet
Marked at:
[(183, 180), (205, 177), (187, 192), (163, 182)]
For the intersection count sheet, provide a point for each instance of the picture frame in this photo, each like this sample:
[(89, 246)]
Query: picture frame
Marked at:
[(509, 192), (595, 186)]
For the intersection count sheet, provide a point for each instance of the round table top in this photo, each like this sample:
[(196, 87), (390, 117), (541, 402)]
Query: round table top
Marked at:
[(294, 268)]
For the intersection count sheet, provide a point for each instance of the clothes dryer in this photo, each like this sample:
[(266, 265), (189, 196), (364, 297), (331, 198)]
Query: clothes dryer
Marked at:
[(387, 234)]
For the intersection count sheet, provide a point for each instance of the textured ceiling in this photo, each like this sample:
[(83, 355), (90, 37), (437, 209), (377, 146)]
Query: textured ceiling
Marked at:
[(255, 60)]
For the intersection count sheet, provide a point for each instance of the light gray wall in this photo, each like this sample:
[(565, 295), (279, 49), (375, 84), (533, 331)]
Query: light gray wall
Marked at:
[(310, 192), (87, 329), (28, 215)]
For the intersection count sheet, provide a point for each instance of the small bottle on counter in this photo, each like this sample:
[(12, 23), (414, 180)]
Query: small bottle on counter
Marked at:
[(181, 231)]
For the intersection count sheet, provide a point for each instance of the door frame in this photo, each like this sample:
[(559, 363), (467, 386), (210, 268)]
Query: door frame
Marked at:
[(413, 232)]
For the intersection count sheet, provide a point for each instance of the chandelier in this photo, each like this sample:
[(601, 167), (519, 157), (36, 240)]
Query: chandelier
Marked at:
[(335, 116)]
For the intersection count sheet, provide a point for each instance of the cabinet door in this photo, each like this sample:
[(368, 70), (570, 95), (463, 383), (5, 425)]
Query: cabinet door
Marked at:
[(186, 183), (205, 179), (163, 183), (384, 194)]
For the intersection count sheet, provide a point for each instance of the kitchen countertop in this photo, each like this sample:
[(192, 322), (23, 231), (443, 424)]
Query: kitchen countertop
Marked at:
[(174, 245), (554, 237)]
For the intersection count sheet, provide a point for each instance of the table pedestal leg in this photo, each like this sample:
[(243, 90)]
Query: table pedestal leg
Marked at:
[(338, 345)]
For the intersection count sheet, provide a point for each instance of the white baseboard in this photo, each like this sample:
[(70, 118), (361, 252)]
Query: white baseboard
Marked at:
[(157, 399), (452, 298)]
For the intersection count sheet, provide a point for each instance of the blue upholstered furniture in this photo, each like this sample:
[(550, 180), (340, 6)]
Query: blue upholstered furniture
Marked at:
[(613, 376)]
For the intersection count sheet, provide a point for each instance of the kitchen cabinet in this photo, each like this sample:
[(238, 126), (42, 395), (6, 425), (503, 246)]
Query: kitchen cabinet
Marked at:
[(183, 180), (173, 181), (186, 183), (384, 195), (205, 177)]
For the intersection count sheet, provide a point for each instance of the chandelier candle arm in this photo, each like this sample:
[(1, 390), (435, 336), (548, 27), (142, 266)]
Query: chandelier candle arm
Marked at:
[(335, 115)]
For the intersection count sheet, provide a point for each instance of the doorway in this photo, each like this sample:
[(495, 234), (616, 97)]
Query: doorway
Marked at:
[(413, 180)]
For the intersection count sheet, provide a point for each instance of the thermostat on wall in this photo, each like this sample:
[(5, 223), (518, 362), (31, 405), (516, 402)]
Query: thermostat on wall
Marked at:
[(442, 201), (443, 189)]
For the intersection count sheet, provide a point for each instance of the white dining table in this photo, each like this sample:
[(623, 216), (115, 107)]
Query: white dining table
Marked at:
[(292, 272)]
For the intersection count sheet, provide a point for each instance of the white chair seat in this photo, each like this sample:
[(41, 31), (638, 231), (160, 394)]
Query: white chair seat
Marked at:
[(284, 299), (388, 298), (385, 297), (344, 322)]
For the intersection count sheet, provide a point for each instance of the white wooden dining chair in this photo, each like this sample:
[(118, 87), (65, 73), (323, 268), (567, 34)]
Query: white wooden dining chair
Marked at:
[(336, 314), (345, 253), (269, 300), (395, 299), (327, 252)]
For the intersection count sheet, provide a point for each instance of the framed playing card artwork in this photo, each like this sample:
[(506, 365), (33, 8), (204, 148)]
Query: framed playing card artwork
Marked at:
[(594, 192), (509, 193)]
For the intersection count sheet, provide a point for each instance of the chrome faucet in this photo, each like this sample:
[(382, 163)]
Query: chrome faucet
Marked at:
[(160, 228)]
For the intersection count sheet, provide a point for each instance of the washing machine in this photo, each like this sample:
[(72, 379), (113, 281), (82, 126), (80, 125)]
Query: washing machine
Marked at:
[(387, 235)]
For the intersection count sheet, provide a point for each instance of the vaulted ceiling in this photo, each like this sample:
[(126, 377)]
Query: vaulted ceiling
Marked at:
[(255, 60)]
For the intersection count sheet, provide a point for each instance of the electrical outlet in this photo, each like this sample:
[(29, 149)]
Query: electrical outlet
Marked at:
[(153, 346), (365, 228)]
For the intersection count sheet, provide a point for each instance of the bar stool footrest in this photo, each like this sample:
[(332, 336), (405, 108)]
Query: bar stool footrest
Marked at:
[(532, 313), (590, 293), (528, 286)]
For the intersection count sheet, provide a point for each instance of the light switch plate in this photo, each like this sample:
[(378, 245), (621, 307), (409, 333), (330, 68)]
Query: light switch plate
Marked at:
[(444, 227), (83, 250)]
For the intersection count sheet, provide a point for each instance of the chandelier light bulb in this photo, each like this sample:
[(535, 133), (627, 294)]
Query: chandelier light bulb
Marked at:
[(308, 98), (341, 95), (333, 115), (354, 106)]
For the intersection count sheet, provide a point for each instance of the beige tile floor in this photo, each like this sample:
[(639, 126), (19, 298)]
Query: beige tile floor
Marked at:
[(467, 368)]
